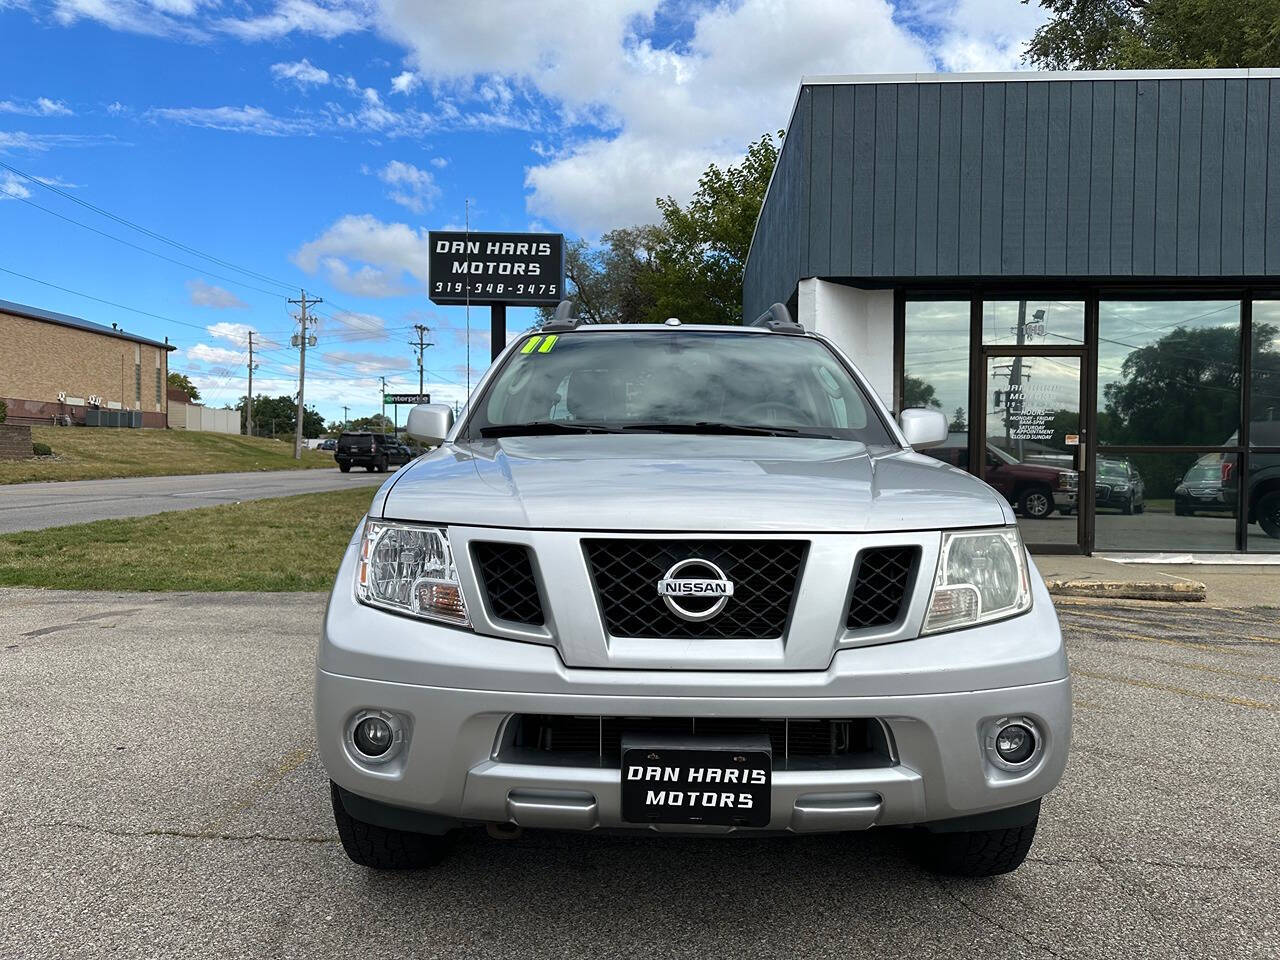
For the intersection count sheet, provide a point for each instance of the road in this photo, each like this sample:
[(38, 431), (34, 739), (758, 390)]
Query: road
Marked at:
[(34, 506), (163, 798)]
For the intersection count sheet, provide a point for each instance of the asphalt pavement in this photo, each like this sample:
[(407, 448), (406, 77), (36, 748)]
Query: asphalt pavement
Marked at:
[(34, 506), (162, 798)]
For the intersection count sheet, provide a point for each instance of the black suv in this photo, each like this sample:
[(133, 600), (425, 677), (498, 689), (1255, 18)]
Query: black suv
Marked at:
[(1263, 483), (373, 451)]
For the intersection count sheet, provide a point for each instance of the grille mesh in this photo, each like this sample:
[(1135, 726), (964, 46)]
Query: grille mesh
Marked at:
[(602, 736), (764, 575), (506, 573), (881, 583)]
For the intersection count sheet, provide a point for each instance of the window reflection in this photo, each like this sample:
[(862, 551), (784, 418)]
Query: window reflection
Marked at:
[(1164, 501), (1168, 372), (1264, 387), (1054, 323), (936, 359)]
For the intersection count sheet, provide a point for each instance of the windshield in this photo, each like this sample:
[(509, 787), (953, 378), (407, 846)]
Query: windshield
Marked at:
[(676, 382), (1113, 468)]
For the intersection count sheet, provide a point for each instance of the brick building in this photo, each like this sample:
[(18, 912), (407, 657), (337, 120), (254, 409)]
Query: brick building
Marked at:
[(53, 365)]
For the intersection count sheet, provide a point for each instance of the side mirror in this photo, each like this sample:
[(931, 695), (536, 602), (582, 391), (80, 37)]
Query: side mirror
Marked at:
[(923, 428), (430, 422)]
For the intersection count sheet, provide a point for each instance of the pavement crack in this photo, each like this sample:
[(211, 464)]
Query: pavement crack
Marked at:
[(182, 834), (1012, 932)]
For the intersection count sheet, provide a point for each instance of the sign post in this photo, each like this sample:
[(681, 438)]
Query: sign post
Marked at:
[(496, 269)]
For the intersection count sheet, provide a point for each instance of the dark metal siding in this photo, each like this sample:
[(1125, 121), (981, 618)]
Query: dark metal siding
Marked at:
[(1061, 178)]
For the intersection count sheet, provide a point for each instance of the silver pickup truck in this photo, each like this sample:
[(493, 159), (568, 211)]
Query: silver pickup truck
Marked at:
[(688, 579)]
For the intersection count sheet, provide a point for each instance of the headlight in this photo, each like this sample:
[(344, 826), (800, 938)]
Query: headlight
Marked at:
[(1069, 478), (982, 576), (409, 569), (1120, 487)]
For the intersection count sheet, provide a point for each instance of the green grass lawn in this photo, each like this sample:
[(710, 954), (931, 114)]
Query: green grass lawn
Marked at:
[(91, 453), (290, 543)]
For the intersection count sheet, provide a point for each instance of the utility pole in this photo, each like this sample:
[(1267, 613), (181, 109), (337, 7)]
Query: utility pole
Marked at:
[(383, 425), (344, 416), (248, 400), (302, 337), (421, 347)]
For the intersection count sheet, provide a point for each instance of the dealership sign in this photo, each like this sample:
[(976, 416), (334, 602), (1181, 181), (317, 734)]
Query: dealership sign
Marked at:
[(398, 398), (523, 269)]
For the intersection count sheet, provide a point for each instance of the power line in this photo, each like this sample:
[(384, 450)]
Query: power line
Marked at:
[(127, 243), (144, 230), (110, 303)]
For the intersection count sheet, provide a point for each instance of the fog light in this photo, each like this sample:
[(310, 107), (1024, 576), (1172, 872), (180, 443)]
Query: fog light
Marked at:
[(1013, 743), (373, 736)]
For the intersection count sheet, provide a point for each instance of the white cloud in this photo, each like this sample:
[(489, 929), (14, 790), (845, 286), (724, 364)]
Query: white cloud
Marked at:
[(159, 18), (115, 108), (412, 188), (382, 254), (977, 35), (237, 333), (321, 18), (204, 294), (302, 72), (662, 113), (39, 107), (439, 162), (350, 326), (21, 140), (203, 353), (405, 82), (11, 185), (246, 119)]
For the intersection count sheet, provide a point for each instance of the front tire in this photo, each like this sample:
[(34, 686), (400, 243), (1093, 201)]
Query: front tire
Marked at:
[(344, 467), (978, 853), (381, 848), (1268, 513), (1036, 503)]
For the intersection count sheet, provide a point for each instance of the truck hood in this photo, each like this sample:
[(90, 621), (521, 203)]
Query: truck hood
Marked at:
[(677, 482)]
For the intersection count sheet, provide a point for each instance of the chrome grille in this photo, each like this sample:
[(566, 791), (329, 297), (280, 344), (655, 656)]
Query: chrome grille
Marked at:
[(882, 581), (765, 574)]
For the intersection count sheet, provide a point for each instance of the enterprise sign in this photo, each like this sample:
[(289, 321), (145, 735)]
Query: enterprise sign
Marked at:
[(525, 269)]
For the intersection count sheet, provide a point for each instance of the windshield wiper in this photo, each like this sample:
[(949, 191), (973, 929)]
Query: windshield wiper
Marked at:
[(728, 429), (538, 428)]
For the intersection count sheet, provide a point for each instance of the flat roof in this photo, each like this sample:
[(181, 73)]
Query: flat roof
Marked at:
[(66, 320), (1022, 76)]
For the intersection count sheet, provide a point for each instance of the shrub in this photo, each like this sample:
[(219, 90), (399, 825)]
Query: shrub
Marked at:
[(4, 410), (41, 450)]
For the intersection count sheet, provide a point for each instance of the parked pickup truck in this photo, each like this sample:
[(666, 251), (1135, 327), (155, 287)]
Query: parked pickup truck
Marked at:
[(1036, 490), (688, 579)]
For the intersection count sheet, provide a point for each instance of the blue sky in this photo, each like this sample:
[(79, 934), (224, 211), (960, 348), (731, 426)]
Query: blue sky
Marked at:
[(314, 142)]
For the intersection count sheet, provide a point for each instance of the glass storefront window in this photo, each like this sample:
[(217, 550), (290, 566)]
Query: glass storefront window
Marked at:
[(1033, 323), (1168, 372), (1264, 386), (936, 359), (1164, 501)]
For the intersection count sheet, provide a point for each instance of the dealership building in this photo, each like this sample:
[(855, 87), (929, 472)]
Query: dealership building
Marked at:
[(1080, 270), (56, 368)]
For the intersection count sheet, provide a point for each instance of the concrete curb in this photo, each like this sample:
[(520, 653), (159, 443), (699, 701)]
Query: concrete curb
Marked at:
[(1177, 590)]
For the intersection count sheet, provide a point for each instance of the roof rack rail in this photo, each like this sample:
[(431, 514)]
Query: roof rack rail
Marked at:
[(777, 319), (563, 319)]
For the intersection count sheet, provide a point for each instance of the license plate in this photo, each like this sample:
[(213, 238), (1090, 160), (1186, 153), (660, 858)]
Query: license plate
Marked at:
[(714, 780)]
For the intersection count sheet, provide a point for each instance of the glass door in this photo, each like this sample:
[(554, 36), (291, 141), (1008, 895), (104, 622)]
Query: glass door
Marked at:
[(1031, 437)]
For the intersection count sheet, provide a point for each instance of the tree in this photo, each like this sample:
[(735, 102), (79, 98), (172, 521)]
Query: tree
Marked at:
[(1144, 34), (182, 382), (607, 281), (958, 423), (917, 393), (703, 253), (1184, 385), (375, 424), (277, 417)]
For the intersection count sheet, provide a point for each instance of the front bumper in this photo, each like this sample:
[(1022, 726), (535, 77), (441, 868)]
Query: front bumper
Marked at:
[(455, 690)]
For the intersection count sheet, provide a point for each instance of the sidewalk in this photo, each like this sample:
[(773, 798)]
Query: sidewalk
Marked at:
[(1224, 585)]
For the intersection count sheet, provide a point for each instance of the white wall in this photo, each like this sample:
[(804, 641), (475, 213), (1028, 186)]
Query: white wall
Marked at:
[(192, 416), (859, 321)]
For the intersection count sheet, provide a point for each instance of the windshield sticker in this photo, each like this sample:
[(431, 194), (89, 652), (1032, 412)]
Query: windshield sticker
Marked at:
[(539, 344), (547, 344), (529, 347)]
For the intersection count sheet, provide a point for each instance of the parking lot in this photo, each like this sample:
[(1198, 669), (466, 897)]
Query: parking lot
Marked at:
[(162, 798)]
